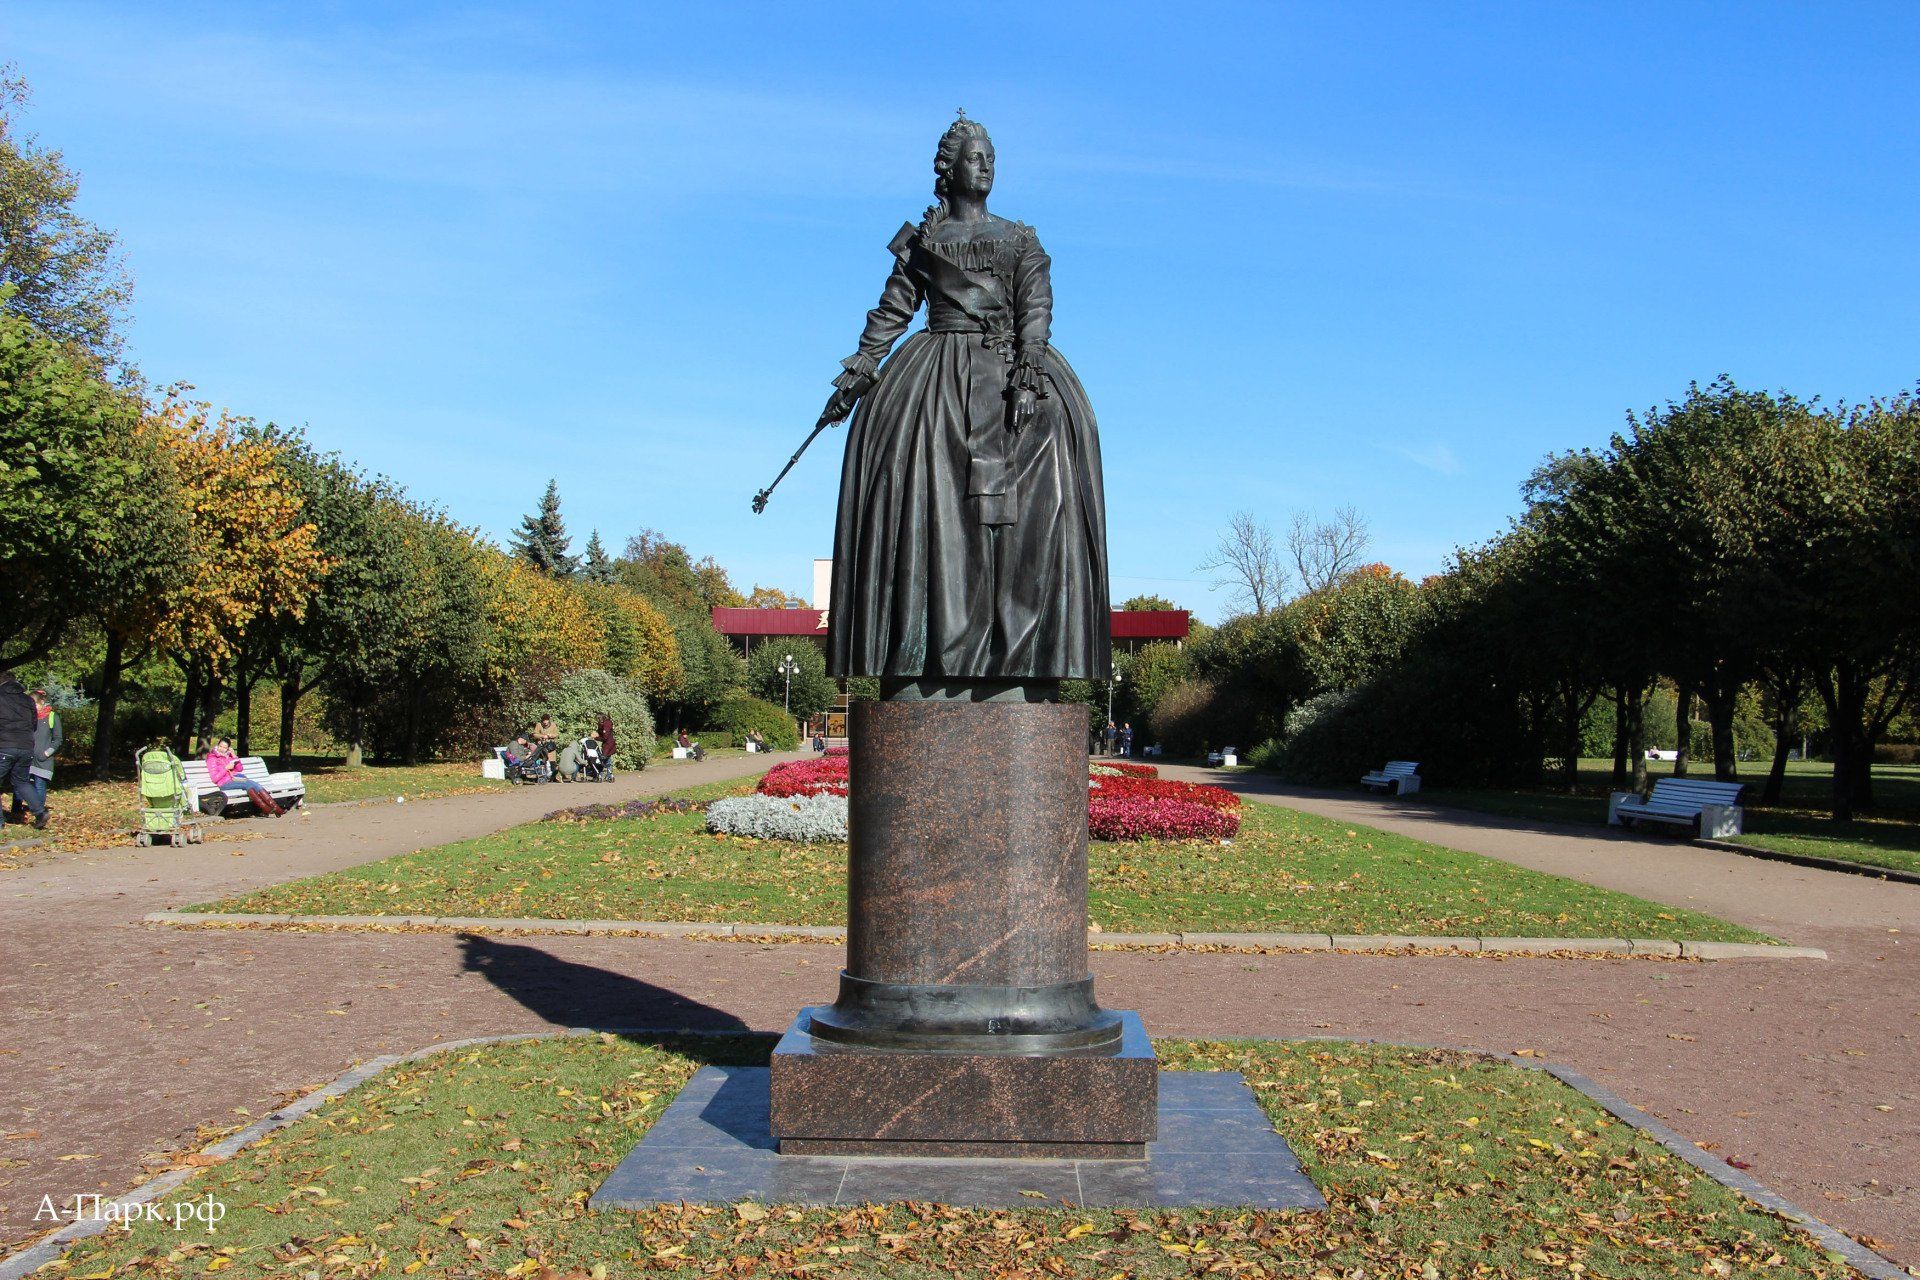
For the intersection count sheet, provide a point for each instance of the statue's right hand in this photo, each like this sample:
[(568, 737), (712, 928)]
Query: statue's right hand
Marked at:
[(839, 405)]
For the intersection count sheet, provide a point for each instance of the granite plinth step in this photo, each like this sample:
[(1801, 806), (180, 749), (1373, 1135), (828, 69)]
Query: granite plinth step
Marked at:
[(832, 1100), (714, 1145)]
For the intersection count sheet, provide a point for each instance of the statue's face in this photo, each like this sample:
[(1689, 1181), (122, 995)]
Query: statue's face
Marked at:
[(973, 171)]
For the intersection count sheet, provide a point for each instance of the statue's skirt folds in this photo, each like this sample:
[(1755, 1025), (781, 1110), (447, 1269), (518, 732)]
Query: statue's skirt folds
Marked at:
[(964, 551)]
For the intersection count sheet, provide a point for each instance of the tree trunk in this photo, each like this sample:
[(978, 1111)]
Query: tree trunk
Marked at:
[(209, 710), (356, 752), (243, 679), (189, 700), (290, 693), (1619, 737), (1683, 731), (1721, 697), (1636, 714), (112, 674), (1786, 723), (1570, 742)]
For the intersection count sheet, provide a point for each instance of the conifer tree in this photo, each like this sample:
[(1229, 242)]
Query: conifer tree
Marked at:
[(598, 565), (542, 538)]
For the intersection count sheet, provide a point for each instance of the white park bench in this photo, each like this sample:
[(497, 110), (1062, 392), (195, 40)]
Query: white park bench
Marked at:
[(287, 789), (1712, 808), (1399, 778)]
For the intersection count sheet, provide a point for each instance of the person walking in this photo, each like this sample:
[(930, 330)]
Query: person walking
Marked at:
[(47, 740), (19, 723), (604, 731), (1126, 739), (1109, 736)]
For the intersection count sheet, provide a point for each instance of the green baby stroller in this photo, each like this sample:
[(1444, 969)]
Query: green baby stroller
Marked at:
[(163, 799)]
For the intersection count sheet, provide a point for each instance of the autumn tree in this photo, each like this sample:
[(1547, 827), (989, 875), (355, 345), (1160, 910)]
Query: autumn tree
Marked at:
[(58, 271), (250, 552), (807, 691)]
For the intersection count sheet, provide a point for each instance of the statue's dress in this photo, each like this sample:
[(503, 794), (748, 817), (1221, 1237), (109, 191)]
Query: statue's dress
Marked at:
[(964, 551)]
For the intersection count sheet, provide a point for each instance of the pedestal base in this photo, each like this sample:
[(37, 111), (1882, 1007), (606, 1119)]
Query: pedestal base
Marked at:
[(831, 1100)]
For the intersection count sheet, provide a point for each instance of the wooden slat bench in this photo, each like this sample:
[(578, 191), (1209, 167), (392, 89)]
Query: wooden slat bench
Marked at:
[(1711, 808), (287, 789), (1399, 778)]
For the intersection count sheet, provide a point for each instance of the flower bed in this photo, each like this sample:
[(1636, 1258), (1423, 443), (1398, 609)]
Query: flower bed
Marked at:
[(631, 809), (817, 777), (1138, 817), (836, 753), (803, 818), (1131, 769), (1162, 789)]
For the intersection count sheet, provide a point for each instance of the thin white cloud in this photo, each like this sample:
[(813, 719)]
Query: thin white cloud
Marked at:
[(1437, 457)]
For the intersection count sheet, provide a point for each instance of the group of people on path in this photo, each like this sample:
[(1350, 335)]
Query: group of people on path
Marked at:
[(543, 740), (1118, 741), (30, 737)]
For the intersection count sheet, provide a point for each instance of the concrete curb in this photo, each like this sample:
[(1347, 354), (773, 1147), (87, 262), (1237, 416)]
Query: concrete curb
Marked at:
[(1372, 943), (51, 1247), (1813, 860)]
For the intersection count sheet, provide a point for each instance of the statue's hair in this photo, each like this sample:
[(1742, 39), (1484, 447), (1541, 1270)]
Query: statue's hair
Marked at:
[(958, 134)]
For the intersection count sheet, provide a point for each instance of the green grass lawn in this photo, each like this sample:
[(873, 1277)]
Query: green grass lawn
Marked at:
[(1890, 837), (1287, 871), (479, 1162), (330, 780)]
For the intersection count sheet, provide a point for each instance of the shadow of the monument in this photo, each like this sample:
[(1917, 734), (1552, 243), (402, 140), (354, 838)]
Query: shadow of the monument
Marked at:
[(566, 993)]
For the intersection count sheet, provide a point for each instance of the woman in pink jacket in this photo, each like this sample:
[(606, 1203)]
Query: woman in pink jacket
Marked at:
[(223, 770)]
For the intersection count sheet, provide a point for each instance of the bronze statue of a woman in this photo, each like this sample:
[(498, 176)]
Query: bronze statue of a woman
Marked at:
[(970, 556)]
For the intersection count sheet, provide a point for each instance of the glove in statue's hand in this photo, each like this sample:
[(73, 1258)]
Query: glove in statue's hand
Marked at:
[(1026, 407), (839, 405)]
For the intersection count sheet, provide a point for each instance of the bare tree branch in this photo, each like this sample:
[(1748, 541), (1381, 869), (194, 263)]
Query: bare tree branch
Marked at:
[(1326, 551), (1247, 561)]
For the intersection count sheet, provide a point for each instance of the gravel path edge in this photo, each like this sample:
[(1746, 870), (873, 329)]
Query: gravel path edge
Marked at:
[(1388, 943)]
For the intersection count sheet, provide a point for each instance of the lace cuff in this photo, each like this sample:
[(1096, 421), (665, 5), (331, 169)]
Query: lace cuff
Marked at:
[(861, 372), (1029, 370)]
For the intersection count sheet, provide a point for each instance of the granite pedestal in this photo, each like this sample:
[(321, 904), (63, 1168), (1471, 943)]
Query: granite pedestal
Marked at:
[(966, 1023)]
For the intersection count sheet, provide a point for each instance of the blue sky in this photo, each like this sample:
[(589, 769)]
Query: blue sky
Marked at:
[(1306, 256)]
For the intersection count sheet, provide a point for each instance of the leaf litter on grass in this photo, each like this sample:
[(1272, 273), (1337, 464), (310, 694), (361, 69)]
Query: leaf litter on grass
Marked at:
[(479, 1162)]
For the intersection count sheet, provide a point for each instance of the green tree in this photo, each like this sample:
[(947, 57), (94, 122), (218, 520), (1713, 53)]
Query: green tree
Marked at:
[(1147, 604), (813, 690), (597, 566), (542, 538), (58, 271), (75, 479)]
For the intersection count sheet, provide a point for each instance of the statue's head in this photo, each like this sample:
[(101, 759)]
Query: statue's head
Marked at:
[(963, 164)]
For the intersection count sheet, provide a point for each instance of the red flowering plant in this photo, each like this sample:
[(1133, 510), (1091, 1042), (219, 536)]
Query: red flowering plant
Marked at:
[(817, 777), (1138, 817), (1166, 789), (1131, 769), (836, 753)]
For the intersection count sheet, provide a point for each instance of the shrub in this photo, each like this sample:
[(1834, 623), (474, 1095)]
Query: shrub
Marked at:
[(1265, 755), (807, 818), (1335, 737), (1159, 789), (814, 777), (739, 712), (575, 702), (1157, 818), (1190, 717)]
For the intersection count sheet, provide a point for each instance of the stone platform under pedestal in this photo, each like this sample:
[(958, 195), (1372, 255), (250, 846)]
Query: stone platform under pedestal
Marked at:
[(714, 1145)]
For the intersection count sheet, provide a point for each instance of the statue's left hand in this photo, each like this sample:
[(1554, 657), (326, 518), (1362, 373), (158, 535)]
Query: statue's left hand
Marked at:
[(1026, 407)]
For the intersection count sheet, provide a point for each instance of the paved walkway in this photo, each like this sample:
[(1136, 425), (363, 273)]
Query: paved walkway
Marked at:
[(117, 1038)]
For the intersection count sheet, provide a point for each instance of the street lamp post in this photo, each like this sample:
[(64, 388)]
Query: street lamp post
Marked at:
[(789, 668), (1110, 684)]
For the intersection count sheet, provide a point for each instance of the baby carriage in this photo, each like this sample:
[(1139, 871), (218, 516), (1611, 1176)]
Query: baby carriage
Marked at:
[(594, 765), (529, 764), (163, 800)]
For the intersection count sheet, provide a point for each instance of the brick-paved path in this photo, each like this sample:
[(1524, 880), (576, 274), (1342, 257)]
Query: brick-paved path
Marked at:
[(116, 1038)]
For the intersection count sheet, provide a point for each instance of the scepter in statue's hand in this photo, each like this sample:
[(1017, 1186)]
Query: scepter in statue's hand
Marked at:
[(838, 407)]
